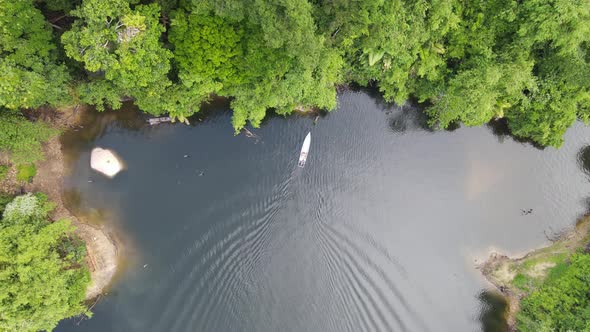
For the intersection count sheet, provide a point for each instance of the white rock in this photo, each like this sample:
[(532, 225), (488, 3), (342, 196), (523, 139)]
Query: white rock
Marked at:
[(105, 161)]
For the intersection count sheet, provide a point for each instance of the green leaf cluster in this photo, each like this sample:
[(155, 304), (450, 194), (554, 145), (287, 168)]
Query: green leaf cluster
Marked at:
[(562, 303), (469, 62), (5, 199), (121, 47), (42, 276), (29, 71), (26, 172), (23, 138), (264, 55)]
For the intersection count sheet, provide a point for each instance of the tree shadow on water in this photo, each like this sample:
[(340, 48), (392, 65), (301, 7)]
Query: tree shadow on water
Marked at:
[(410, 116), (492, 315), (500, 129), (215, 107), (407, 117), (583, 159)]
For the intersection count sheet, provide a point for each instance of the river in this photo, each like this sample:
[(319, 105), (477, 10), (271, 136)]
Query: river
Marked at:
[(381, 231)]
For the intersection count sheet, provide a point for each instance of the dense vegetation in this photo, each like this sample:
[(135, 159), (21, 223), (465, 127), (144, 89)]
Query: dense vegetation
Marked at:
[(468, 61), (31, 72), (22, 138), (562, 303), (42, 276)]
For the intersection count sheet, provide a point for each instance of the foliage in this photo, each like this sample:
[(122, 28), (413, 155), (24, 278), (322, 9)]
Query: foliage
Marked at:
[(4, 200), (42, 275), (60, 5), (522, 282), (265, 55), (121, 46), (3, 172), (26, 172), (23, 138), (468, 61), (562, 302), (30, 73), (472, 61)]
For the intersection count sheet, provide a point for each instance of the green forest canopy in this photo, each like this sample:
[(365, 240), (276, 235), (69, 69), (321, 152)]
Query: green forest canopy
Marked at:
[(562, 302), (42, 273), (468, 61)]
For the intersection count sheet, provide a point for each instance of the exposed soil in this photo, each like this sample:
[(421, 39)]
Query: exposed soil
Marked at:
[(497, 271), (102, 258)]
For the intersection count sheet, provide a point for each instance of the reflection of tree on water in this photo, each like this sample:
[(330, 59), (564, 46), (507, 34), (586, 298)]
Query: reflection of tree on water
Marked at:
[(407, 118), (401, 118), (76, 204), (493, 311), (584, 159), (501, 130), (93, 124)]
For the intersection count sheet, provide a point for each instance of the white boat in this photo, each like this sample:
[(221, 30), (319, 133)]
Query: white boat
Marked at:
[(304, 150)]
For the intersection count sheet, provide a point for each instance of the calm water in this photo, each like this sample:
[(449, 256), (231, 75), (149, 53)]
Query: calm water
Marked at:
[(381, 231)]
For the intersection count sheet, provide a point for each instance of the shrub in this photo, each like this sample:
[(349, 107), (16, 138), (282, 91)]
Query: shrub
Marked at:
[(23, 138), (562, 303), (26, 172), (4, 200)]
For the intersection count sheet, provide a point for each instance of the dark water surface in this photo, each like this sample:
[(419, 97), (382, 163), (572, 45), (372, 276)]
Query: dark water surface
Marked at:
[(381, 231)]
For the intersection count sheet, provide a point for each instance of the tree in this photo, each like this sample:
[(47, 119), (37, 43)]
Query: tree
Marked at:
[(60, 5), (42, 274), (265, 55), (557, 33), (394, 42), (121, 47), (471, 61), (468, 61), (536, 50), (30, 73), (561, 303)]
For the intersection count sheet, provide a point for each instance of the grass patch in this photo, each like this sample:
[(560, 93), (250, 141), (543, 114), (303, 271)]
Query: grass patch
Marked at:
[(23, 138), (3, 172), (522, 282), (26, 172), (556, 272), (552, 257)]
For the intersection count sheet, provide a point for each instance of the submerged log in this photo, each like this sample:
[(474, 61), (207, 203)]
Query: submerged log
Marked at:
[(155, 121)]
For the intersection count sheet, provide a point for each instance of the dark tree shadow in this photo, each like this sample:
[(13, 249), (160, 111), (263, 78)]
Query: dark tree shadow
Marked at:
[(407, 117), (501, 130), (492, 315), (583, 159)]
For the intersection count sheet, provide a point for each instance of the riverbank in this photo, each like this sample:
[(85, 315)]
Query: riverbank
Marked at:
[(102, 249), (517, 278)]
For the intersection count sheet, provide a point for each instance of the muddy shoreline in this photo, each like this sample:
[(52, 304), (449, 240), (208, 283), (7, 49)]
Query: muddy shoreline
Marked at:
[(103, 248)]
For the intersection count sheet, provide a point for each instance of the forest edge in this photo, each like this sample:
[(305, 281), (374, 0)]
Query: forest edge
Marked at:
[(102, 246), (507, 274)]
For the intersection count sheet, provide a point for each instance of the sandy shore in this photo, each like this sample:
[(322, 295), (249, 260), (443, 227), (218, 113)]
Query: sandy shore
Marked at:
[(101, 245)]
